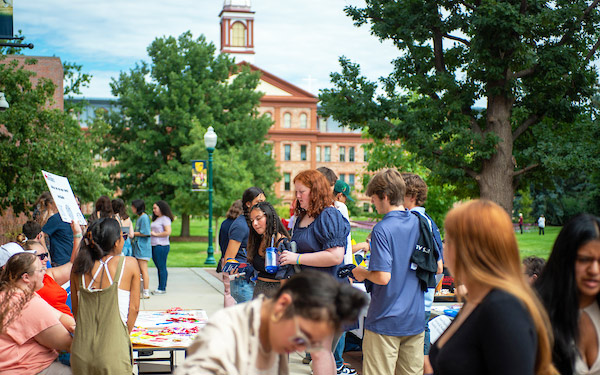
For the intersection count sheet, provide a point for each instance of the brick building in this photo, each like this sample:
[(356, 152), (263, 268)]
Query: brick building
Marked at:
[(46, 67), (301, 139)]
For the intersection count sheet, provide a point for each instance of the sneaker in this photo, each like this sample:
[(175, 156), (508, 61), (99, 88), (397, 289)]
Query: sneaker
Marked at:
[(345, 370), (158, 291), (145, 295)]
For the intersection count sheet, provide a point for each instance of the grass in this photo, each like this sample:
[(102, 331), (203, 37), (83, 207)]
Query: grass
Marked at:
[(193, 254), (531, 243)]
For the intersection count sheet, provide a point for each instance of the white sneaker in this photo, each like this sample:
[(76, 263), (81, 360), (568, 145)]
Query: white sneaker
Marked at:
[(158, 291), (145, 294)]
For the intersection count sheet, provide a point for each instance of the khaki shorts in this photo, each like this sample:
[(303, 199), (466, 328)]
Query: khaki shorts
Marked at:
[(399, 355)]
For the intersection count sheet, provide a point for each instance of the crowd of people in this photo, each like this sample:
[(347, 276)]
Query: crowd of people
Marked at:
[(517, 317), (70, 295)]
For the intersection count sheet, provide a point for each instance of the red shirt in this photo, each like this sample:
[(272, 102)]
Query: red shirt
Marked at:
[(55, 295)]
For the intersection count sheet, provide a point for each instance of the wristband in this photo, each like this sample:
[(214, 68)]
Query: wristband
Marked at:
[(298, 259), (78, 235)]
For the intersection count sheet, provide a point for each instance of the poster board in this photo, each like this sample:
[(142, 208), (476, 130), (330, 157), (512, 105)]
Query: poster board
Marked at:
[(63, 196)]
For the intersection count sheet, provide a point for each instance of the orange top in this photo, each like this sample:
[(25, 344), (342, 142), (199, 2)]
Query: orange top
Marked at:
[(55, 295)]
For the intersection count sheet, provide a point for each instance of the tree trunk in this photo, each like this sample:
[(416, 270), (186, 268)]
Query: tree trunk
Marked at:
[(185, 225), (496, 177)]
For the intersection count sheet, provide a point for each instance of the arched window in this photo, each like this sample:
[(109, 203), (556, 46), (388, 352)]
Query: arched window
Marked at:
[(238, 35), (303, 121), (287, 120)]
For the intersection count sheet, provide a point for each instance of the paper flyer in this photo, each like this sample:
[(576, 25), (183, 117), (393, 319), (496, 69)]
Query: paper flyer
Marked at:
[(63, 196)]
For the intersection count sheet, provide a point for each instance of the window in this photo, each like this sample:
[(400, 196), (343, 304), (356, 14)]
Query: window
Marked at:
[(351, 154), (343, 177), (342, 153), (351, 179), (318, 152), (287, 152), (238, 35), (286, 181), (366, 207), (327, 153), (366, 155), (287, 120), (303, 121), (303, 152)]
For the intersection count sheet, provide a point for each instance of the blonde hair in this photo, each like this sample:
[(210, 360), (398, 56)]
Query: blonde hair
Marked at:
[(487, 254)]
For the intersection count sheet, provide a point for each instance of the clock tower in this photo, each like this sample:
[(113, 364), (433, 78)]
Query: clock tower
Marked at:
[(237, 30)]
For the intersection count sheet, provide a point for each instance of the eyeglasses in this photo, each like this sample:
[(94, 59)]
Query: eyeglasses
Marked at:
[(258, 218), (300, 339), (42, 256)]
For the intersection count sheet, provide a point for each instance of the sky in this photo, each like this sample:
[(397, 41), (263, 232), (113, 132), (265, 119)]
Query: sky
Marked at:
[(299, 41)]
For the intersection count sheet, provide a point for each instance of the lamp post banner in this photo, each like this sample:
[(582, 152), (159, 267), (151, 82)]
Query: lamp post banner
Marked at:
[(199, 175), (6, 19)]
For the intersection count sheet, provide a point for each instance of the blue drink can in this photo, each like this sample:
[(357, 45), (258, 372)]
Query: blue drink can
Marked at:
[(271, 261)]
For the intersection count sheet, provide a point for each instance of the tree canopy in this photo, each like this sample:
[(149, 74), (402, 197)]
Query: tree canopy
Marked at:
[(528, 63), (34, 137), (165, 108)]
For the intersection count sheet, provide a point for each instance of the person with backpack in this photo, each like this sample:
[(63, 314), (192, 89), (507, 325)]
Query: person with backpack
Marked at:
[(414, 200)]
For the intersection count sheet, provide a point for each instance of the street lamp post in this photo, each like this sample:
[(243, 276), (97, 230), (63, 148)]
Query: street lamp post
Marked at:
[(210, 141)]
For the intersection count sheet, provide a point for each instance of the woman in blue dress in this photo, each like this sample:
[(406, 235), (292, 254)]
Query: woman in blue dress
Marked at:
[(320, 234)]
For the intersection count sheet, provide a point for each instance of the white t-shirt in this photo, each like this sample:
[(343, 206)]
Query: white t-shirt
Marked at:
[(344, 211)]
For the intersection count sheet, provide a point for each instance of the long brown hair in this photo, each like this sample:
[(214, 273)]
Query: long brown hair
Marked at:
[(320, 192), (12, 297), (487, 253)]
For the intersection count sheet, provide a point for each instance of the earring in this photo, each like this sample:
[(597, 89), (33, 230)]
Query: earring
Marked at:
[(276, 317)]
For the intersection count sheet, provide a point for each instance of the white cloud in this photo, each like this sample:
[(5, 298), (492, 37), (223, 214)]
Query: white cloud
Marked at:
[(294, 39)]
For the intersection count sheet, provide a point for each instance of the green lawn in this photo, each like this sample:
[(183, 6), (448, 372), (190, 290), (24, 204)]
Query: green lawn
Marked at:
[(533, 244), (193, 254)]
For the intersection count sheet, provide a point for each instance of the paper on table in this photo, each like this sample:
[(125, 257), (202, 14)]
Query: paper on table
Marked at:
[(64, 198)]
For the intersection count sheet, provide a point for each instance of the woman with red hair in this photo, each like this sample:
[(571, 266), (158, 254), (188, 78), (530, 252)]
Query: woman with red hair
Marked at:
[(320, 233)]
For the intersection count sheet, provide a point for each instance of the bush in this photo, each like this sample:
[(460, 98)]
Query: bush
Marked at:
[(11, 225)]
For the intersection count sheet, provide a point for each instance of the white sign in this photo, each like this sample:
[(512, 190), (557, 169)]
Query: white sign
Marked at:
[(64, 198)]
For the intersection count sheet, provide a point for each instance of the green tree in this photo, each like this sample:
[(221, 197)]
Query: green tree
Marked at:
[(35, 137), (529, 61), (165, 108)]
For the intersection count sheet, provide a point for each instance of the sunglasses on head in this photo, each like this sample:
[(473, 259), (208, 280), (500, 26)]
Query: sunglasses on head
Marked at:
[(42, 256)]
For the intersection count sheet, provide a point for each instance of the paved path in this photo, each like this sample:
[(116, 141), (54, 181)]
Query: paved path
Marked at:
[(197, 288)]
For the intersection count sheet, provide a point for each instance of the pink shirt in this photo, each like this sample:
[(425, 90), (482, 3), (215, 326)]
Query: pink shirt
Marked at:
[(21, 354), (158, 226)]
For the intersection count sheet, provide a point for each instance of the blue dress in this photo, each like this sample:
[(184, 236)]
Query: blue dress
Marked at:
[(328, 230)]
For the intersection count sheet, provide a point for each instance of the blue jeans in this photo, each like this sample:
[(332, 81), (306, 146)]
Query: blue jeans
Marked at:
[(241, 290), (427, 344), (339, 350), (159, 257)]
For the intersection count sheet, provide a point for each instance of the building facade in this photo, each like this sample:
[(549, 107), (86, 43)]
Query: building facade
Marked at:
[(300, 138)]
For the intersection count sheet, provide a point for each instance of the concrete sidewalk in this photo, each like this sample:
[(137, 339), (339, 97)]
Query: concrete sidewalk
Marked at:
[(198, 288)]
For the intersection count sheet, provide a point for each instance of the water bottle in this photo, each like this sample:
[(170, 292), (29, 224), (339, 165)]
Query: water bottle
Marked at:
[(271, 263)]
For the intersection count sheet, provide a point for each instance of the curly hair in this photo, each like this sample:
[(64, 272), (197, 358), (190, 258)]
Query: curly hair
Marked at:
[(320, 193), (415, 187)]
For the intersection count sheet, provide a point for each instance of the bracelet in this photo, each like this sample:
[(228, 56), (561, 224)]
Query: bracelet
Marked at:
[(298, 259), (78, 235)]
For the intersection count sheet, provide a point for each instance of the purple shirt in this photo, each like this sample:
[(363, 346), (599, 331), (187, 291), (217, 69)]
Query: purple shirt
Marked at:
[(158, 226)]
